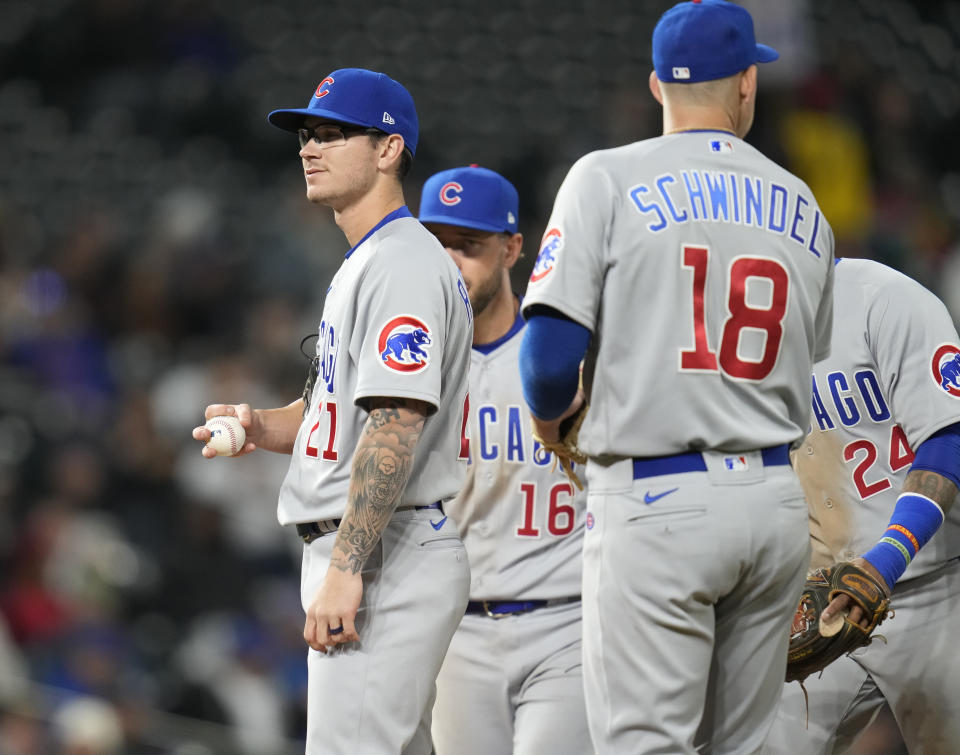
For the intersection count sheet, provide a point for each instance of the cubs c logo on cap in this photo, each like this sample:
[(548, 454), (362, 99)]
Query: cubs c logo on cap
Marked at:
[(403, 344), (946, 368), (449, 193), (547, 258), (321, 92)]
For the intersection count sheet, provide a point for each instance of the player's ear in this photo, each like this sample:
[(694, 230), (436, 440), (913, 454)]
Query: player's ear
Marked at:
[(655, 87), (391, 150), (748, 83), (514, 249)]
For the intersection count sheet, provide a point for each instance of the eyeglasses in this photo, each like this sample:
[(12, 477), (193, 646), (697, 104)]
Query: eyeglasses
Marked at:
[(330, 135)]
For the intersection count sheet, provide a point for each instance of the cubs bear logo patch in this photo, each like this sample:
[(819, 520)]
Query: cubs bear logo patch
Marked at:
[(945, 367), (547, 258), (403, 344)]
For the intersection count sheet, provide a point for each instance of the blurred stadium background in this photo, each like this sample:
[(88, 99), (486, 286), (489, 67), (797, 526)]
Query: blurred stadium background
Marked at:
[(156, 253)]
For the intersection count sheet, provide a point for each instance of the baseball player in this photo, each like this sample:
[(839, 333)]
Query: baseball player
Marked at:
[(511, 681), (883, 460), (699, 273), (376, 439)]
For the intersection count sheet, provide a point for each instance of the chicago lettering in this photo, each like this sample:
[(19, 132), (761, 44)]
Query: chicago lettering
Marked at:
[(506, 437), (848, 401)]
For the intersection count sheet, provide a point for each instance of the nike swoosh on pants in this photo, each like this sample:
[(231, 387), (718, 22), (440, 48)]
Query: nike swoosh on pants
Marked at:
[(647, 498)]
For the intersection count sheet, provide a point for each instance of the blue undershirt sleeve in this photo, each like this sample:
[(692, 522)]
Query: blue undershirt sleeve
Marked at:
[(940, 453), (550, 354)]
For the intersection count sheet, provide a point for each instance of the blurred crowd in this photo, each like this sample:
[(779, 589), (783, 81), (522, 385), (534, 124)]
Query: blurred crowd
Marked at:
[(156, 254)]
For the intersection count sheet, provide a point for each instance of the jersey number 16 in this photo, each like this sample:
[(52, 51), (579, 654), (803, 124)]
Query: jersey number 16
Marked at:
[(561, 515)]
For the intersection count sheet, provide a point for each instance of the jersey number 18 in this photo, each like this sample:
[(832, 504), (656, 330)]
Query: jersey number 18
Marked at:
[(701, 358)]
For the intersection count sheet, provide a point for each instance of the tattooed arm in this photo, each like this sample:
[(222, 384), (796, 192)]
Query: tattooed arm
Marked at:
[(934, 486), (381, 467)]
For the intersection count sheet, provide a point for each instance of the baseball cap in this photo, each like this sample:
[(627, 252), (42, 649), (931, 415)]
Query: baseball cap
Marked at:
[(702, 40), (361, 98), (472, 197)]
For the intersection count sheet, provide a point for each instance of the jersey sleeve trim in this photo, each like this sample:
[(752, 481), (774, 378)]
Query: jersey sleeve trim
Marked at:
[(586, 319), (429, 398)]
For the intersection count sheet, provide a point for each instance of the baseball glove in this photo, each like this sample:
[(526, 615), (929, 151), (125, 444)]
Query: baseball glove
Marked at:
[(813, 645), (565, 450)]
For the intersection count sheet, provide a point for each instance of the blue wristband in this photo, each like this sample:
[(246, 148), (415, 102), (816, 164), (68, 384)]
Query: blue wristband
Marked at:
[(915, 520)]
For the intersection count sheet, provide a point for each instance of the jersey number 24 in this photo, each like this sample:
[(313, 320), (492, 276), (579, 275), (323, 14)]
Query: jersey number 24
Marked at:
[(901, 455)]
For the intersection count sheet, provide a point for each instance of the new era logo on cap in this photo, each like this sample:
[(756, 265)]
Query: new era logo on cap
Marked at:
[(387, 118)]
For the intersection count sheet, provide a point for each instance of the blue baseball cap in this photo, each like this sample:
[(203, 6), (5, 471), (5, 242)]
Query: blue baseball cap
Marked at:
[(702, 40), (361, 98), (471, 197)]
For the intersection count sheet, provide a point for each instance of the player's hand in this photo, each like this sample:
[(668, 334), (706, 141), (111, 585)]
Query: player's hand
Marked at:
[(242, 412), (843, 603), (335, 605), (549, 430)]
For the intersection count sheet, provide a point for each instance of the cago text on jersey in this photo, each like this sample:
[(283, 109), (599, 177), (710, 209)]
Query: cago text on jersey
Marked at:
[(506, 437), (843, 391), (327, 348), (713, 196)]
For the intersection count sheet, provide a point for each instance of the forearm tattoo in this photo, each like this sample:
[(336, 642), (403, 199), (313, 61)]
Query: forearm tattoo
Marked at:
[(934, 486), (381, 467)]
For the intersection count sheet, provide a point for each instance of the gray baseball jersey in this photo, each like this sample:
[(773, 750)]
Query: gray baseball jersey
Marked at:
[(520, 518), (715, 282), (514, 684), (704, 272), (892, 380), (396, 322)]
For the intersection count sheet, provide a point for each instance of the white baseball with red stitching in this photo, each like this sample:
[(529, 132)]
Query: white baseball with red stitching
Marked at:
[(227, 435)]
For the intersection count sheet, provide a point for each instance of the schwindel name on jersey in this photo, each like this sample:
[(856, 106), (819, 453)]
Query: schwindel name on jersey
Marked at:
[(705, 196)]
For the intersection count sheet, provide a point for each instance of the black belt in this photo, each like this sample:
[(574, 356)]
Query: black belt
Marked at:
[(654, 466), (498, 609), (310, 531)]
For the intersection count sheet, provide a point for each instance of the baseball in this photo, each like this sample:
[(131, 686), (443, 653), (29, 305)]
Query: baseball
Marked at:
[(227, 435), (828, 629)]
